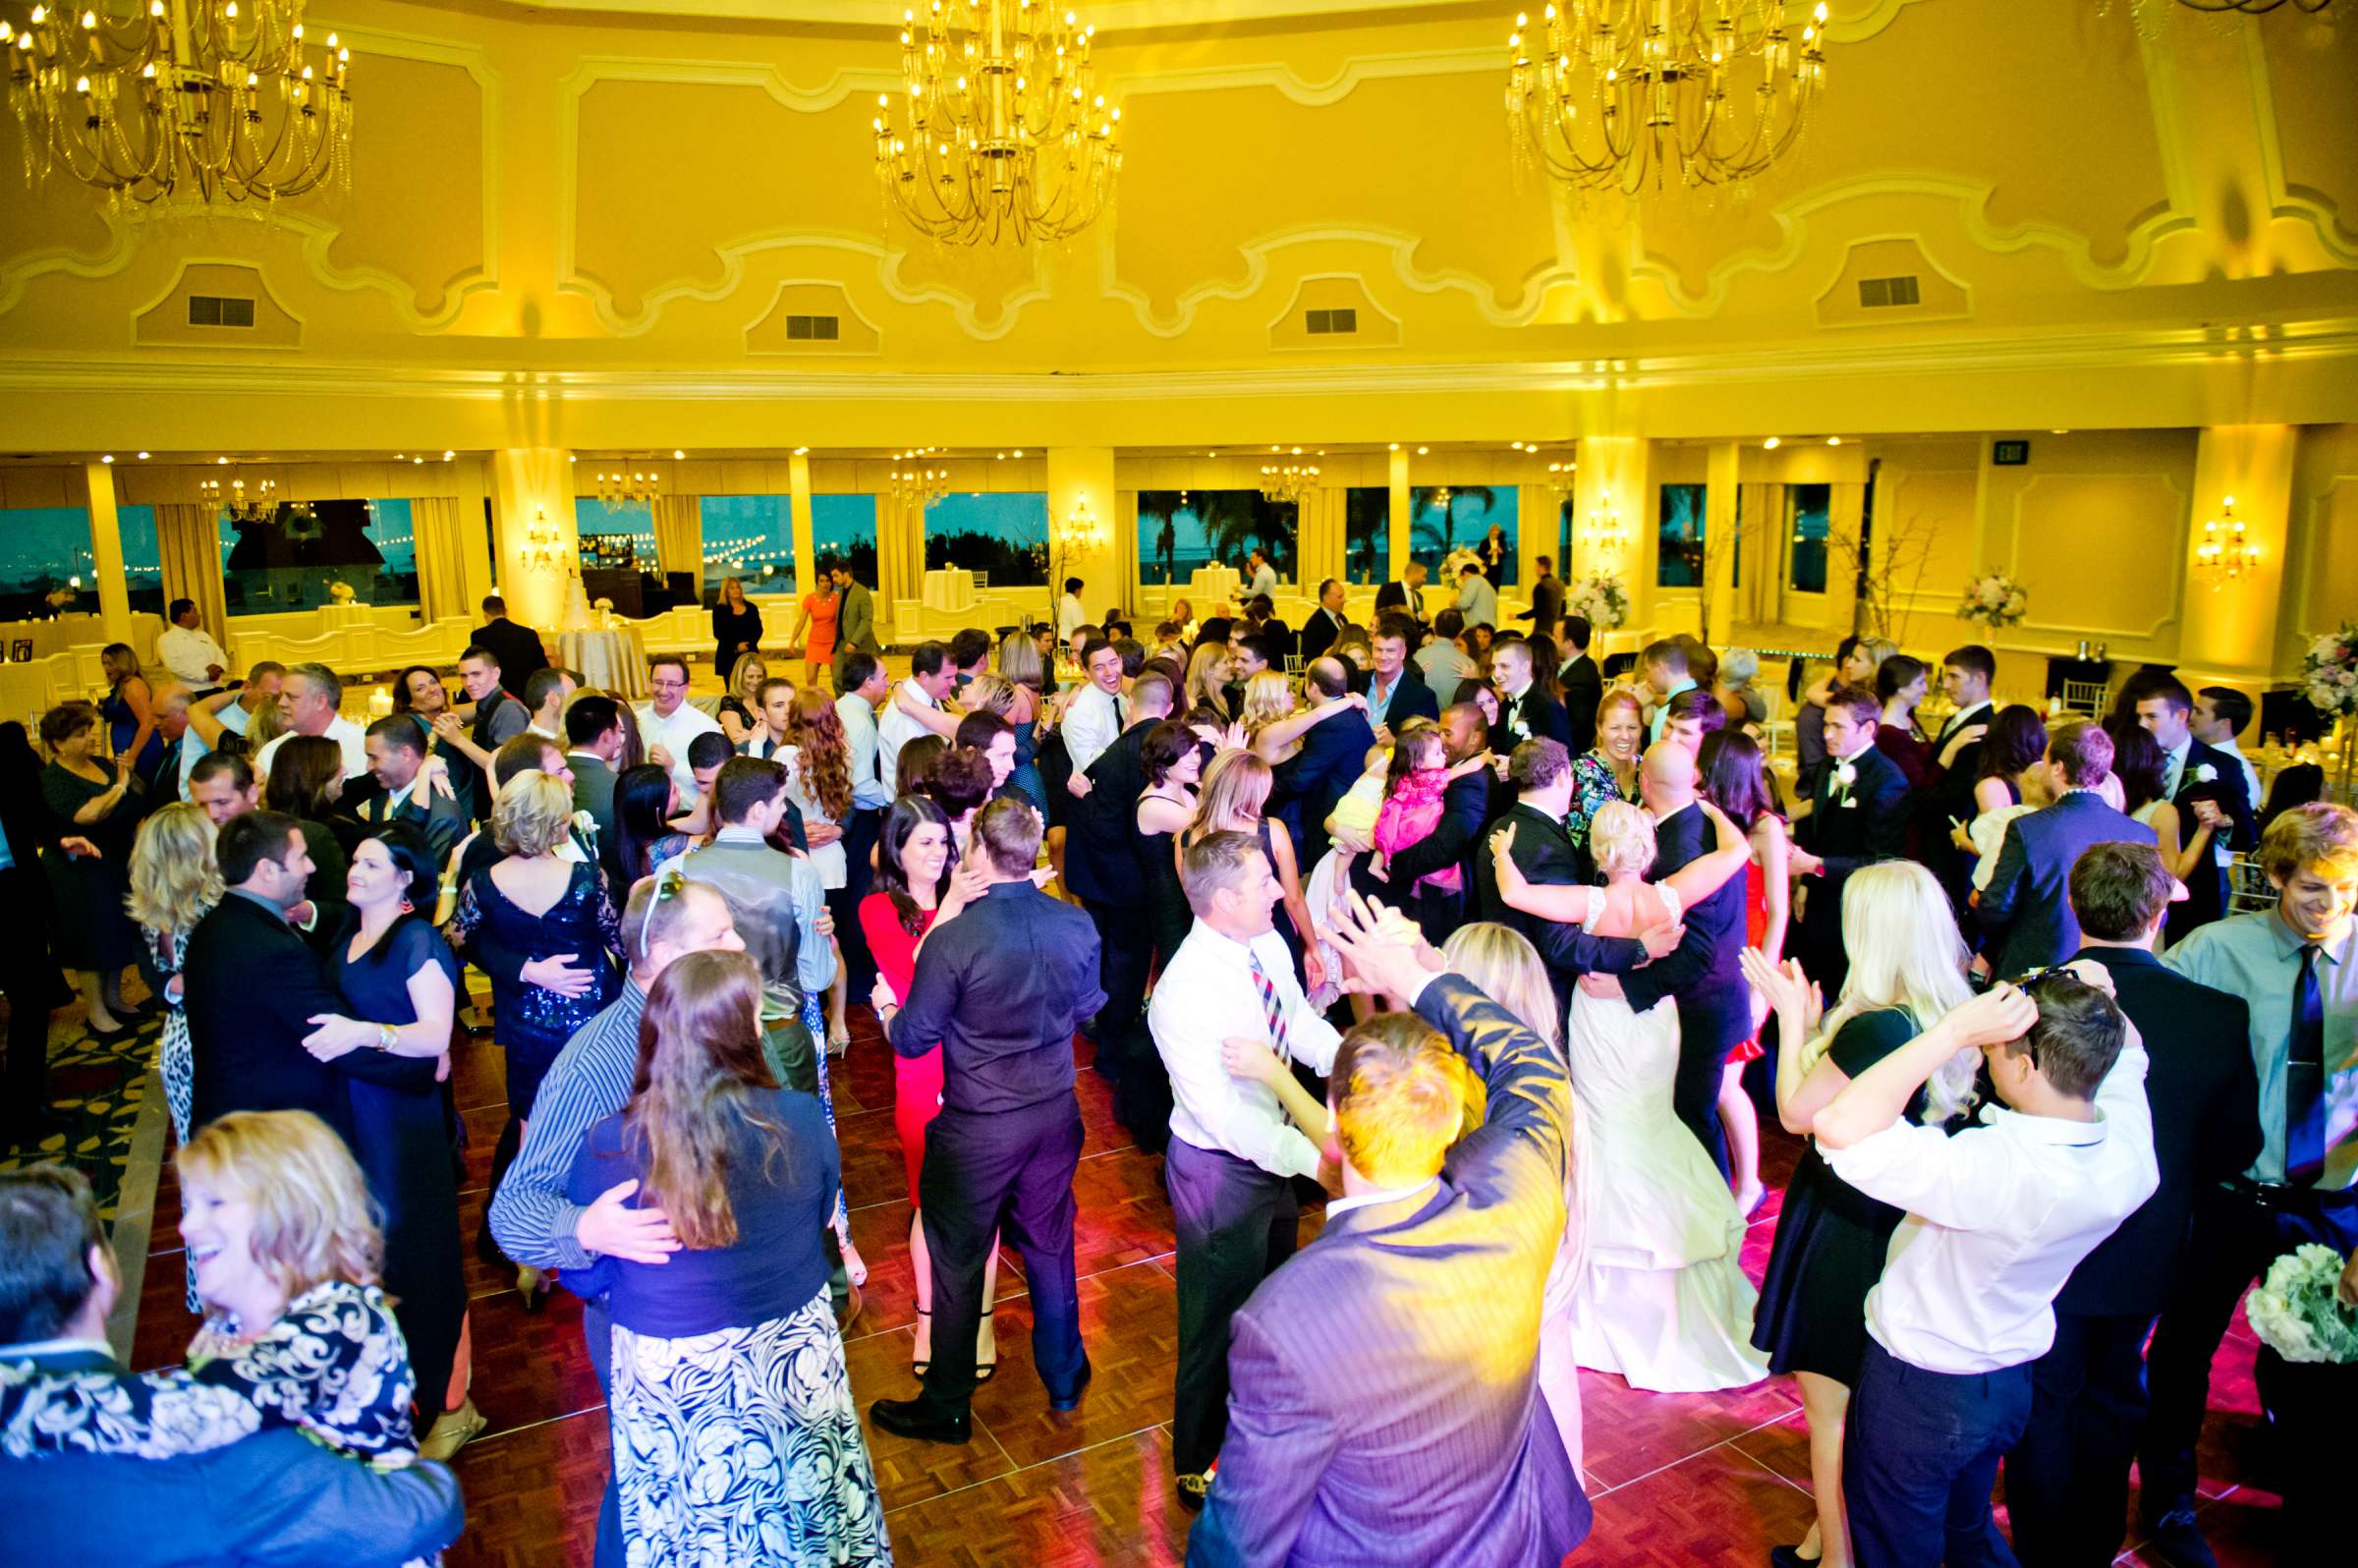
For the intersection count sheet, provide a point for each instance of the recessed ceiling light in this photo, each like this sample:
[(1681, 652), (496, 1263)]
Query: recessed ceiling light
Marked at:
[(1833, 440), (570, 458), (448, 456), (223, 461), (1211, 453), (1395, 446), (1771, 445), (1423, 449), (143, 457), (2051, 432), (679, 456), (106, 457)]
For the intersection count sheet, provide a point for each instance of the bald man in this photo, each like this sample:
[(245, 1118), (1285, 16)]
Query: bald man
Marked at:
[(1702, 973)]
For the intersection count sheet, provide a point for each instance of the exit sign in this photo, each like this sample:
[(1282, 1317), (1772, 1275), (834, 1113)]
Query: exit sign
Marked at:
[(2009, 454)]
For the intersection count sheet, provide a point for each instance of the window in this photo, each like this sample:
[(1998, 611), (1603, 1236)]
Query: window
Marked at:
[(1368, 535), (46, 567), (750, 538), (1679, 562), (1179, 531), (1446, 521), (292, 559), (1004, 535), (843, 529), (1810, 504), (143, 558)]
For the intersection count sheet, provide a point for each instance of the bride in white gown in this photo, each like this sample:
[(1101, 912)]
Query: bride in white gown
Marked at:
[(1665, 1302)]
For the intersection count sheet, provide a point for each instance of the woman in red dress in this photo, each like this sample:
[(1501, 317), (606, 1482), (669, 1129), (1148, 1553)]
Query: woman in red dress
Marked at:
[(916, 888), (1735, 781)]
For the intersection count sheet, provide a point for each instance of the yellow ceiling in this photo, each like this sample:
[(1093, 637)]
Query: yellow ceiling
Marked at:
[(611, 208)]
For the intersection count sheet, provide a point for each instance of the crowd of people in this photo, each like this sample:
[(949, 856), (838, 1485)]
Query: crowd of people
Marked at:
[(1455, 933)]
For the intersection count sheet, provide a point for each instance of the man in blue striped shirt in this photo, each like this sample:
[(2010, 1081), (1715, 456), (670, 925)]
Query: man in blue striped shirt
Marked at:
[(667, 918)]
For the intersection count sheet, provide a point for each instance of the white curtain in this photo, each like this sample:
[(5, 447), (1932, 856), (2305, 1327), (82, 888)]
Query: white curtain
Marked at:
[(680, 535), (188, 538)]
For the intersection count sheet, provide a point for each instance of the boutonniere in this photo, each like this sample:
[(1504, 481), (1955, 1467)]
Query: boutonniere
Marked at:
[(2205, 775), (1845, 776), (586, 826)]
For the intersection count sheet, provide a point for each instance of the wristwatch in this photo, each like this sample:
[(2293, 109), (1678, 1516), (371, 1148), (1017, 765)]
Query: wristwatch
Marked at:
[(387, 1036)]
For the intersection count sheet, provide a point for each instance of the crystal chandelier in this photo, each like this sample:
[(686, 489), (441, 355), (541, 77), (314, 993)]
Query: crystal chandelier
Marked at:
[(1287, 483), (216, 97), (920, 477), (1627, 91), (1002, 132), (235, 504), (2225, 553), (626, 488)]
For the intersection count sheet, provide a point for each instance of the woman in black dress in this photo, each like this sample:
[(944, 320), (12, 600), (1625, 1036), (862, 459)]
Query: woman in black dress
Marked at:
[(1174, 760), (307, 782), (89, 800), (399, 979), (736, 628), (1907, 968)]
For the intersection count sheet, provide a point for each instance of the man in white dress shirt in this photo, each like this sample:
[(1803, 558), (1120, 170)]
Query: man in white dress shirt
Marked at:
[(930, 677), (865, 684), (1239, 1134), (1262, 576), (188, 651), (310, 700), (1998, 1216), (1071, 613), (1097, 712), (668, 723)]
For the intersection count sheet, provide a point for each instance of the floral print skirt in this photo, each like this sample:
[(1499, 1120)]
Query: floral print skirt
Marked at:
[(742, 1446)]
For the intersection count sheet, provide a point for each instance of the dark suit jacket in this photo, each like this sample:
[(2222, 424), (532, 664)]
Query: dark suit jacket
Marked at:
[(1702, 971), (1546, 605), (1318, 634), (593, 792), (246, 1038), (1438, 913), (1411, 698), (2027, 907), (1100, 828), (2207, 889), (1584, 688), (1873, 828), (518, 649), (1333, 755), (442, 820), (1396, 596), (2206, 1105), (276, 1497), (1436, 1296), (1544, 852), (1543, 715)]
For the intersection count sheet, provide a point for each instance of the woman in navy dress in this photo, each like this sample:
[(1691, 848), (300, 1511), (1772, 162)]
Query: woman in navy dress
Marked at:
[(735, 1438), (542, 926), (400, 980)]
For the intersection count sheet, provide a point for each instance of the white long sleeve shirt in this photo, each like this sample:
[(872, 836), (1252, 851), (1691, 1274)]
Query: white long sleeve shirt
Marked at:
[(1205, 994), (1091, 723), (1998, 1216), (189, 652), (685, 723)]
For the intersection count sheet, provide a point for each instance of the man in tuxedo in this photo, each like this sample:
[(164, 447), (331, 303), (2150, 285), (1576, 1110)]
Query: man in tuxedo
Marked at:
[(2219, 714), (1965, 675), (515, 650), (2026, 908), (1332, 756), (271, 1496), (1858, 815), (1405, 594), (1541, 773), (1546, 600), (594, 738), (1703, 973), (1526, 712), (2067, 1480), (396, 752), (998, 992), (1395, 1356), (1101, 866), (1583, 684), (1324, 624), (2208, 786), (1396, 692), (251, 986), (855, 618)]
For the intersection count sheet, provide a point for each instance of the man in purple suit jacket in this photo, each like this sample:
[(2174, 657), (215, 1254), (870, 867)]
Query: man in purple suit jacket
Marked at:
[(1384, 1407)]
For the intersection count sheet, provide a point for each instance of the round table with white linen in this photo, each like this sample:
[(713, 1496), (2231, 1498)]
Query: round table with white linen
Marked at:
[(610, 658), (949, 590)]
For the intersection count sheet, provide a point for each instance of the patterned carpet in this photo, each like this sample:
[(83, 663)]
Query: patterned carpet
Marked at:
[(97, 1087)]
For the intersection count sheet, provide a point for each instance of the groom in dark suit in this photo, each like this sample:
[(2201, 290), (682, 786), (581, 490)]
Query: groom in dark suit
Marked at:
[(1395, 1357), (1858, 815), (2027, 907), (1703, 973), (2208, 786), (1583, 684)]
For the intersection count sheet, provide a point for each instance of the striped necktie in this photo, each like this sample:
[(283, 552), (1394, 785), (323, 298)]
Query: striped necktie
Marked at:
[(1271, 1009)]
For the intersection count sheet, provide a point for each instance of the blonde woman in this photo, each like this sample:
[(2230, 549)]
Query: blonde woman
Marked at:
[(514, 917), (297, 1328), (740, 713), (1208, 674), (1230, 799), (1276, 723), (174, 883), (736, 628), (1666, 1304), (1500, 963), (1907, 968)]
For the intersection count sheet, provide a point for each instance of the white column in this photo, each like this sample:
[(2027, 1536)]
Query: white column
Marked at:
[(106, 553)]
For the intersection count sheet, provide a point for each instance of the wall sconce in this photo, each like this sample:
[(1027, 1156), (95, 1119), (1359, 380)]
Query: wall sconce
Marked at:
[(1079, 530), (543, 544), (1604, 531), (2225, 553)]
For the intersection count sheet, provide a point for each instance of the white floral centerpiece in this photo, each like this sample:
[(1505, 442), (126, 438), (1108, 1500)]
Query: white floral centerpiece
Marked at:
[(1601, 600), (606, 611), (2330, 672), (2295, 1312), (1994, 600)]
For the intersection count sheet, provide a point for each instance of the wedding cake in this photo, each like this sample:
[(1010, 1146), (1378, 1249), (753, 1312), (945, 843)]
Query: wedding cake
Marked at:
[(577, 605)]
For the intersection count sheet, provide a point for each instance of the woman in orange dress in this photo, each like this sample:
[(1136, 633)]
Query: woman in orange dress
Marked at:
[(818, 621)]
